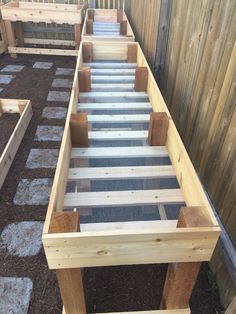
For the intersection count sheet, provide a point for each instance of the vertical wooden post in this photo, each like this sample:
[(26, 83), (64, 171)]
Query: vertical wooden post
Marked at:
[(181, 277), (11, 40), (87, 52), (158, 128), (91, 14), (119, 16), (79, 129), (89, 27), (70, 280), (123, 28), (77, 29), (84, 79), (141, 79), (19, 34), (132, 53)]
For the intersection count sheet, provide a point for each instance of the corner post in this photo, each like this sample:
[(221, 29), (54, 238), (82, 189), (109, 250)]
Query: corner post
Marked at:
[(70, 280), (10, 34), (181, 277)]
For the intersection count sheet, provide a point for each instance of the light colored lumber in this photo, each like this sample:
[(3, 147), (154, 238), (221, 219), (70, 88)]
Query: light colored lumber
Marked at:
[(123, 198), (110, 65), (127, 247), (17, 135), (44, 12), (113, 71), (112, 87), (114, 106), (183, 311), (113, 78), (43, 51), (40, 41), (119, 118), (111, 173), (119, 152), (117, 135), (105, 95), (128, 225)]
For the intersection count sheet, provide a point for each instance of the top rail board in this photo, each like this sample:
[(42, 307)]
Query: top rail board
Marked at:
[(43, 12)]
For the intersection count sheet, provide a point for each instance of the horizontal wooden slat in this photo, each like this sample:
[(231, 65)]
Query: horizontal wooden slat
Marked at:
[(119, 118), (40, 41), (113, 78), (113, 71), (115, 106), (43, 51), (113, 94), (183, 311), (128, 225), (123, 198), (105, 33), (96, 87), (106, 24), (110, 65), (117, 135), (119, 152), (111, 173)]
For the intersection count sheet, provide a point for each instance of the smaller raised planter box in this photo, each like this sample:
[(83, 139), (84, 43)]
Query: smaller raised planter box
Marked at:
[(23, 107), (106, 25), (16, 13)]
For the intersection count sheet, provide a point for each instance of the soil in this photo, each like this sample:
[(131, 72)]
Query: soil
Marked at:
[(8, 122), (108, 289)]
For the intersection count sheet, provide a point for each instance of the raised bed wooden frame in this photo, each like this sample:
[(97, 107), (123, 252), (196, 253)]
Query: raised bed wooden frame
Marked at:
[(23, 107), (186, 244), (107, 16), (18, 12)]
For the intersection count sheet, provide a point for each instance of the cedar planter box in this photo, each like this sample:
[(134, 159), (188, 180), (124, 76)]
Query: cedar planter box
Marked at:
[(106, 25)]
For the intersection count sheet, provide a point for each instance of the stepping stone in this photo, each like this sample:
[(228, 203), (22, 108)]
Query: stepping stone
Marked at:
[(65, 71), (33, 192), (67, 83), (6, 79), (49, 133), (22, 238), (42, 65), (58, 113), (42, 158), (13, 68), (1, 89), (58, 96), (15, 295)]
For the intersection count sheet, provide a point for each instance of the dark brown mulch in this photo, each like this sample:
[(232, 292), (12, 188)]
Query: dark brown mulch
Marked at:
[(107, 289), (8, 122)]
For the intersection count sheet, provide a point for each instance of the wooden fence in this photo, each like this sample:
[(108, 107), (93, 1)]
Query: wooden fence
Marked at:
[(191, 48)]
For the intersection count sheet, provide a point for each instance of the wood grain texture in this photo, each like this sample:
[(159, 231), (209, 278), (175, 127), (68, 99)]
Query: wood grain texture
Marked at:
[(195, 65)]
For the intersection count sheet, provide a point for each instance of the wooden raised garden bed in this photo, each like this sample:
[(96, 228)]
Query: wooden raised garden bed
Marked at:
[(106, 25), (110, 80), (23, 107), (15, 13)]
